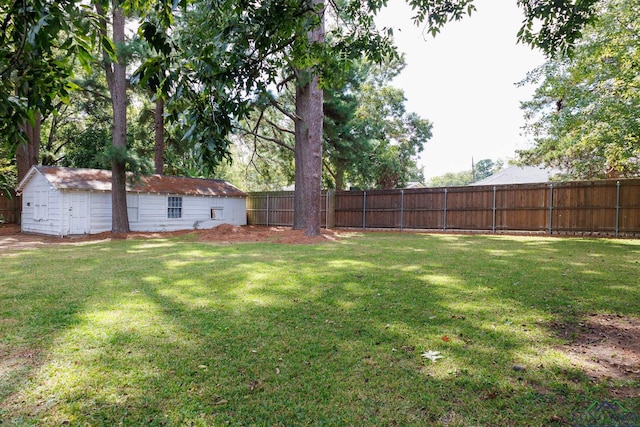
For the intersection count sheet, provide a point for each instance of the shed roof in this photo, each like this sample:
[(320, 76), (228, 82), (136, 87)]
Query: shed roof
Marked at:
[(100, 180)]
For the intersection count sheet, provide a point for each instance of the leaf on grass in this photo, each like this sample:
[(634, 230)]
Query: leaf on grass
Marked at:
[(255, 384), (432, 355), (220, 402), (446, 338)]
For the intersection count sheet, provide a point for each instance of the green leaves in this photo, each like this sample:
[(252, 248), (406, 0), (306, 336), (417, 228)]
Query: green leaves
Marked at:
[(136, 164), (157, 39), (436, 13), (555, 26), (370, 139), (583, 116), (40, 40), (551, 25), (6, 186)]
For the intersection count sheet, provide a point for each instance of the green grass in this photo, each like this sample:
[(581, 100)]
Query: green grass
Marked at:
[(175, 332)]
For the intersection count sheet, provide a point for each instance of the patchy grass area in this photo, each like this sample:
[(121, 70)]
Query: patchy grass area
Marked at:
[(173, 331)]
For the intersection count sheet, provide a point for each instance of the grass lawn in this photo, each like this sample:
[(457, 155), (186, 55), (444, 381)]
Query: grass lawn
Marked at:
[(176, 332)]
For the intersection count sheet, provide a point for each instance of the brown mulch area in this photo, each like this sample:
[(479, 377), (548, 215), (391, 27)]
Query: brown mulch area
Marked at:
[(604, 346), (11, 237), (250, 233), (8, 229)]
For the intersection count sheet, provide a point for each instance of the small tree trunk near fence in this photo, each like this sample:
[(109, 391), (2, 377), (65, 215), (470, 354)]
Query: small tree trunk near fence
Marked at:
[(158, 128), (28, 154)]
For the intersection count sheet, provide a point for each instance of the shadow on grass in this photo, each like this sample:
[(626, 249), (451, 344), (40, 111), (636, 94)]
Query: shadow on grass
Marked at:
[(328, 334)]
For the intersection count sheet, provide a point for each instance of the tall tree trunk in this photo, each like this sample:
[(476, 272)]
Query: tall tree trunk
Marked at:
[(339, 178), (28, 154), (300, 147), (117, 81), (308, 148), (158, 127)]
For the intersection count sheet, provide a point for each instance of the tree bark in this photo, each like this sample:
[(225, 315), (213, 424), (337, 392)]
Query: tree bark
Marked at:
[(300, 147), (339, 178), (159, 136), (28, 154), (117, 81), (308, 149)]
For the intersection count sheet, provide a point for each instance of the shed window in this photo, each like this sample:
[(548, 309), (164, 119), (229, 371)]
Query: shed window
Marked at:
[(216, 213), (174, 209)]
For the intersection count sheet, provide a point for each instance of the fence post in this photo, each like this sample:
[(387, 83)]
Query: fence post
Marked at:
[(617, 207), (364, 209), (326, 209), (444, 225), (401, 210), (550, 208), (331, 209), (493, 219), (267, 210)]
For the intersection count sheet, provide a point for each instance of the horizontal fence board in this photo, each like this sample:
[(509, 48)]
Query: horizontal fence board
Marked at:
[(276, 208), (605, 206), (629, 215)]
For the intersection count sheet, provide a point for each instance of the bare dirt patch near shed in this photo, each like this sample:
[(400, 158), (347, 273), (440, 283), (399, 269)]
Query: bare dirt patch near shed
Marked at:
[(250, 233), (12, 239)]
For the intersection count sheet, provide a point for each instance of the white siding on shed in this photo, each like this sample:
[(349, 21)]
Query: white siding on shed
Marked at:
[(41, 208), (62, 201), (196, 212), (133, 203), (99, 212)]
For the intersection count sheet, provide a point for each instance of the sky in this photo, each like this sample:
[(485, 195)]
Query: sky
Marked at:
[(463, 81)]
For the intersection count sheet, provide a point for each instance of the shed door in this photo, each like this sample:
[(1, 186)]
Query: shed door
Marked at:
[(78, 213)]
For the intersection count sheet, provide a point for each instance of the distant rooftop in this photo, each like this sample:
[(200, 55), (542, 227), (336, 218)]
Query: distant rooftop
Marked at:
[(518, 175)]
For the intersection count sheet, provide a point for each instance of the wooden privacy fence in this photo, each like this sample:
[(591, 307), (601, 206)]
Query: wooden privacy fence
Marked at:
[(10, 209), (608, 207), (275, 208)]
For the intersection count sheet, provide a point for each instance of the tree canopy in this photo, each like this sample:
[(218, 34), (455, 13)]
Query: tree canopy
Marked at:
[(584, 114), (223, 58), (38, 41), (370, 140), (386, 138), (41, 38), (480, 170)]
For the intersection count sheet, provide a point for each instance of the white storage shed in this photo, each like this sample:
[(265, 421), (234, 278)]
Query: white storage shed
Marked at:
[(65, 201)]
